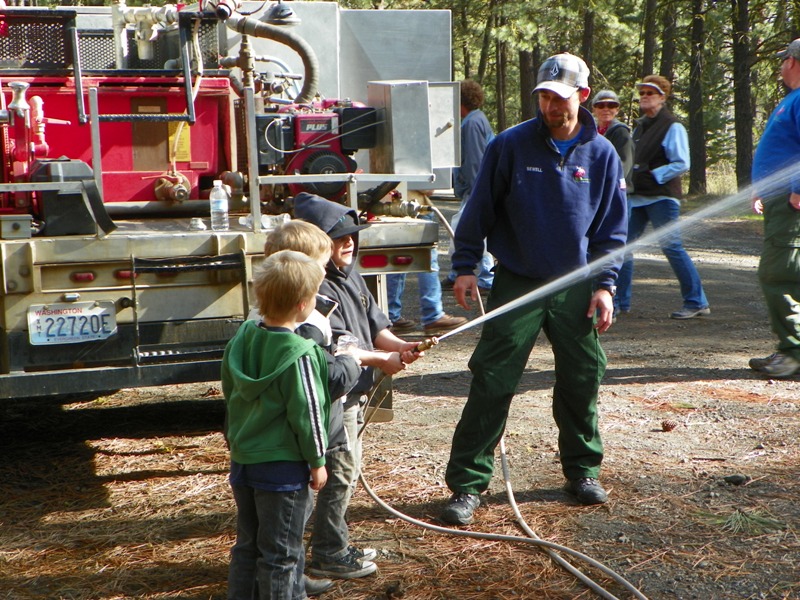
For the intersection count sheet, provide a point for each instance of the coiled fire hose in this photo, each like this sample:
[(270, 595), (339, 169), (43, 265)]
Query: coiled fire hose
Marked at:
[(552, 549)]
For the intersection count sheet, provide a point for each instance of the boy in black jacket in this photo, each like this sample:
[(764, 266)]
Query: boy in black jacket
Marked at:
[(357, 314)]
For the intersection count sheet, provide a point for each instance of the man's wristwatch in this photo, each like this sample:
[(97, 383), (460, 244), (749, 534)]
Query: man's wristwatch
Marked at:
[(611, 289)]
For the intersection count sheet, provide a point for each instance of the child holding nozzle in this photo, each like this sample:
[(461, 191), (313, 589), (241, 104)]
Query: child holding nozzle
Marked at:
[(357, 314)]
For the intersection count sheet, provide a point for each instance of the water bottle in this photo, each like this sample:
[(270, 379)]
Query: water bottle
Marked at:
[(218, 198)]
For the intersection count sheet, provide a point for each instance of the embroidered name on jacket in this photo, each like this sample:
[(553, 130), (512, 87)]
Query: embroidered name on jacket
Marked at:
[(534, 169)]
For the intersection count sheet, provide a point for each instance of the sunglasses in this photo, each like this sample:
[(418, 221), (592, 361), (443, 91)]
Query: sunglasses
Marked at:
[(647, 93), (606, 105)]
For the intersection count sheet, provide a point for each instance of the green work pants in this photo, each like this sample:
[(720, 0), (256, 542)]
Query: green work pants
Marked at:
[(779, 273), (497, 365)]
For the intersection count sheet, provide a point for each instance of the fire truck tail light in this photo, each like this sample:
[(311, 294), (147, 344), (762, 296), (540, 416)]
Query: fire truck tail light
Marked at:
[(374, 261), (402, 260), (82, 277), (125, 274)]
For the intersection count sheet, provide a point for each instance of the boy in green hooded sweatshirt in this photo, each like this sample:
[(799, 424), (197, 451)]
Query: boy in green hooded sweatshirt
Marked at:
[(277, 407)]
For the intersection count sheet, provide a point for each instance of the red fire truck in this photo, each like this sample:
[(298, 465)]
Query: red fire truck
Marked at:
[(116, 121)]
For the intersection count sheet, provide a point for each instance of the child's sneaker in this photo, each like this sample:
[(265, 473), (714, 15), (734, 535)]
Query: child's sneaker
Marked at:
[(363, 553), (347, 567)]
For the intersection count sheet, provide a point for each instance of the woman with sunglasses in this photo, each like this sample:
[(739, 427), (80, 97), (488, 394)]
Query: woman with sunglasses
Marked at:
[(661, 156), (605, 107)]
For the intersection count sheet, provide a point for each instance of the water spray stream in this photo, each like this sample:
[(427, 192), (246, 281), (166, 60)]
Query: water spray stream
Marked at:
[(693, 220)]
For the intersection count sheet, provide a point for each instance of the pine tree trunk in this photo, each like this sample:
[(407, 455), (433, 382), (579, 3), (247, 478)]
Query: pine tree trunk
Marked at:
[(487, 42), (697, 132), (649, 38), (669, 20), (527, 81), (500, 91), (742, 96), (587, 42)]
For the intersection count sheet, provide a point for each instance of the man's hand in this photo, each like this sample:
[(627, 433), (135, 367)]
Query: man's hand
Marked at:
[(388, 362), (758, 205), (601, 301), (462, 285)]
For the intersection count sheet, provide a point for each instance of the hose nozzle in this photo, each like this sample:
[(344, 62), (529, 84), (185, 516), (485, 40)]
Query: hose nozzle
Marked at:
[(426, 345)]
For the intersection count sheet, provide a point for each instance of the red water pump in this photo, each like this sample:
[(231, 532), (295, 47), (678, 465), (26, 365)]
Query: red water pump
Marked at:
[(314, 139)]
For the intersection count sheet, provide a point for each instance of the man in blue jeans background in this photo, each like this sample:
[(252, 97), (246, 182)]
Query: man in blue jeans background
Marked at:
[(434, 319), (476, 133)]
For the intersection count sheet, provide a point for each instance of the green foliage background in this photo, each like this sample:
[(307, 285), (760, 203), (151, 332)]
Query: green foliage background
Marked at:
[(499, 42), (485, 29)]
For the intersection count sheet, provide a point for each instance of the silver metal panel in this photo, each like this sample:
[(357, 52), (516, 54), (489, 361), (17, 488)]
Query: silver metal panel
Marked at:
[(386, 233), (445, 116), (355, 46), (92, 17), (404, 138), (393, 44)]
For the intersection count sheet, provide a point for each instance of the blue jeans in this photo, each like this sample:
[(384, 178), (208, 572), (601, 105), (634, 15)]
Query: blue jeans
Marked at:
[(661, 214), (329, 536), (268, 558), (485, 275), (430, 293)]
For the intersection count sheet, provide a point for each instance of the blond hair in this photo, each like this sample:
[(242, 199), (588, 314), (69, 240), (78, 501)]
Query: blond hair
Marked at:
[(300, 236), (284, 280)]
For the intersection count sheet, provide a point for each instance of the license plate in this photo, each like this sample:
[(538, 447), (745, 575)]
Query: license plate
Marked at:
[(71, 323)]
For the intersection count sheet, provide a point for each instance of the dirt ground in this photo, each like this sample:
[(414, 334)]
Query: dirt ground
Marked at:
[(125, 496)]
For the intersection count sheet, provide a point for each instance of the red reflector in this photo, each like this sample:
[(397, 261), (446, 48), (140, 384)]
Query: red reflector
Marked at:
[(374, 261), (82, 277), (402, 260), (125, 274)]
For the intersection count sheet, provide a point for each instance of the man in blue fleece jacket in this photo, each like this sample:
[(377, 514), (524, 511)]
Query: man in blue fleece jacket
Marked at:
[(777, 197), (549, 198)]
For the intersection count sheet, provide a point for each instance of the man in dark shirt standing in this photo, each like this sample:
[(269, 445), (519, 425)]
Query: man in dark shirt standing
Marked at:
[(549, 198)]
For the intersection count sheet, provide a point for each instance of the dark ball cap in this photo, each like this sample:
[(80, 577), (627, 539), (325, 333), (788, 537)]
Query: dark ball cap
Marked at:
[(333, 218), (346, 225)]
